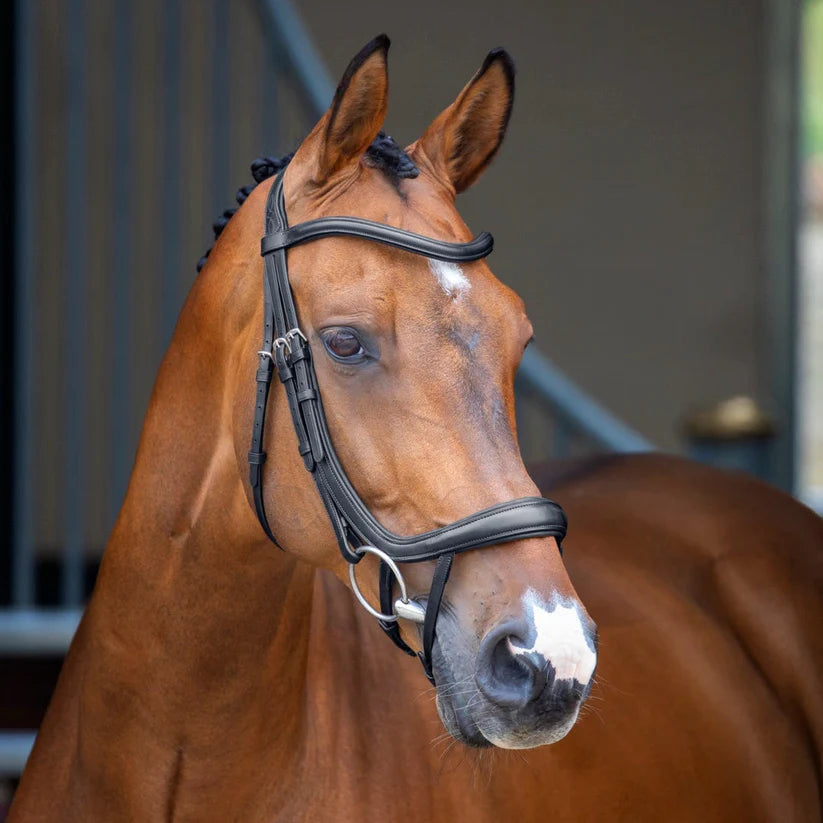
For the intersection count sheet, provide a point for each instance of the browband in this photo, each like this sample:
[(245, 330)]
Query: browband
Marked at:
[(481, 246), (356, 529)]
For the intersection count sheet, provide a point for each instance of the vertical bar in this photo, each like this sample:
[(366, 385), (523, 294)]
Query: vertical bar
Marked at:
[(780, 172), (23, 570), (75, 298), (121, 266), (171, 169), (221, 122), (270, 73)]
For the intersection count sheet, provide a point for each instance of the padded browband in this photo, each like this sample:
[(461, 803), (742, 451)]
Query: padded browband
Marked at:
[(481, 246), (353, 523), (501, 523)]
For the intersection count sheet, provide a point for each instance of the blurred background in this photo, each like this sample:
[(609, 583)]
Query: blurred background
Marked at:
[(658, 203)]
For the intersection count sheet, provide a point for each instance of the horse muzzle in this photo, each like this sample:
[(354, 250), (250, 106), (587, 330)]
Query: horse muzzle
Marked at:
[(526, 682)]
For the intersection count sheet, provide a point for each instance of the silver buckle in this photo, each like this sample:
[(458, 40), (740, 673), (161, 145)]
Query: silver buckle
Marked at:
[(403, 607), (279, 342), (283, 342), (292, 333)]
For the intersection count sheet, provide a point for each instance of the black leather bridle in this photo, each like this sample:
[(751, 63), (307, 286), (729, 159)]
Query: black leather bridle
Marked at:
[(286, 348)]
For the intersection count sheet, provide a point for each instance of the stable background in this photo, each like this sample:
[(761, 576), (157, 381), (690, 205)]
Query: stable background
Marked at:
[(645, 204), (627, 201)]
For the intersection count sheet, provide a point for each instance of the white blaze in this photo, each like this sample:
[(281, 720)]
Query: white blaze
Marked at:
[(450, 277), (560, 639)]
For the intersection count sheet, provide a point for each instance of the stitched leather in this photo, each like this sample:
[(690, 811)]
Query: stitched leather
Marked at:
[(352, 522), (387, 607), (480, 246), (438, 586)]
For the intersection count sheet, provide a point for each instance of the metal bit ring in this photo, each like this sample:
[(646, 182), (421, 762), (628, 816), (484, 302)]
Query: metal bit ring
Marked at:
[(404, 597)]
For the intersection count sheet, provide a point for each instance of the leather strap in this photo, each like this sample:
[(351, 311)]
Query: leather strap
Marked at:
[(387, 607), (265, 369), (438, 586), (350, 517), (481, 246), (285, 346)]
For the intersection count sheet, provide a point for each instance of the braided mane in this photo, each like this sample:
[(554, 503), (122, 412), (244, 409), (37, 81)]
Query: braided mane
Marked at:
[(383, 154)]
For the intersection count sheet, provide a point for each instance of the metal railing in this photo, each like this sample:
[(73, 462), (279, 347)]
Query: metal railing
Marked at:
[(85, 157), (105, 346), (138, 126), (568, 420)]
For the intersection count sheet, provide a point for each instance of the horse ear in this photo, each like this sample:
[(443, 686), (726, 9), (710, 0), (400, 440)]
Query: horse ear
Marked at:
[(462, 140), (354, 118)]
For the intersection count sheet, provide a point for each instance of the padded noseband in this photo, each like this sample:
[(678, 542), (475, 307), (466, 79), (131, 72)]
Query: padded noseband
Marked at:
[(286, 350)]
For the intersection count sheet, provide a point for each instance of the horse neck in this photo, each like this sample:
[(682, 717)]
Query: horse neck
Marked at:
[(191, 595)]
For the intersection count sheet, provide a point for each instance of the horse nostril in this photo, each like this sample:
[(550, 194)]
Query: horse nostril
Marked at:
[(507, 679)]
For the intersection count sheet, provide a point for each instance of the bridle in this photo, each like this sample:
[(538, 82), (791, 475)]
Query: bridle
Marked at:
[(286, 349)]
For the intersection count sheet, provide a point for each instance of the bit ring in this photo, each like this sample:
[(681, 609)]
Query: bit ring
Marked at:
[(404, 597)]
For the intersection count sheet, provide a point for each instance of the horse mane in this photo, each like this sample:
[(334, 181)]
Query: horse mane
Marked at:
[(383, 154)]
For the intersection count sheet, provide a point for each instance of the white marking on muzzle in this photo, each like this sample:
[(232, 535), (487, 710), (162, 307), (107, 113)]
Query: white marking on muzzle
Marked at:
[(450, 277), (560, 639)]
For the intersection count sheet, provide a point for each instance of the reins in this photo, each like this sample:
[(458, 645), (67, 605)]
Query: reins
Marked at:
[(286, 350)]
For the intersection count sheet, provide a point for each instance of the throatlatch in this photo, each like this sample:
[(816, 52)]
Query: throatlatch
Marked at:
[(286, 349)]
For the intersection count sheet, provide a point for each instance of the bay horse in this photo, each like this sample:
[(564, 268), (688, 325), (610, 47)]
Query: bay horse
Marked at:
[(215, 676)]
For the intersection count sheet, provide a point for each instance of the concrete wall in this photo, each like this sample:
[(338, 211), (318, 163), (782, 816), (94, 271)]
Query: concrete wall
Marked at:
[(625, 202)]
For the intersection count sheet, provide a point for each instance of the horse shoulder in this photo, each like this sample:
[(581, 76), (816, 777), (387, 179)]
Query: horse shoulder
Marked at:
[(708, 589)]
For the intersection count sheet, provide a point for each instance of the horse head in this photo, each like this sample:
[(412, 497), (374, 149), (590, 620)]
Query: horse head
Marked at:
[(415, 361)]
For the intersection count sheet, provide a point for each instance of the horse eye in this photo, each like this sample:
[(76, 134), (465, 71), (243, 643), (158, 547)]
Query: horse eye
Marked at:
[(343, 344)]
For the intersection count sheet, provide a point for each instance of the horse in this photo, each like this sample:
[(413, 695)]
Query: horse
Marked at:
[(218, 676)]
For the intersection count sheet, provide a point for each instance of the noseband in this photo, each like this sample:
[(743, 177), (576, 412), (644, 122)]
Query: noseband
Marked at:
[(286, 349)]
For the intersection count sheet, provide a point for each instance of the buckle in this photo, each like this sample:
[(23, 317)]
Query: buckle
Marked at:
[(292, 333), (283, 342)]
